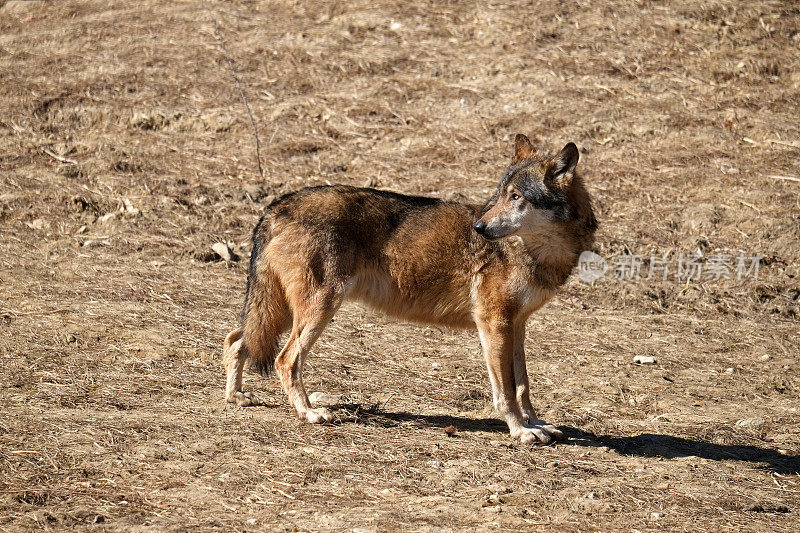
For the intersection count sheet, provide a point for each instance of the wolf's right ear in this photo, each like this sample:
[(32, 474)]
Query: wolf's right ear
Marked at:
[(522, 148)]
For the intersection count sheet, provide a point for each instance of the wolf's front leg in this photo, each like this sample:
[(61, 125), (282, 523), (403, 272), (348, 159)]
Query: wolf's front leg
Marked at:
[(522, 386), (498, 341), (521, 375)]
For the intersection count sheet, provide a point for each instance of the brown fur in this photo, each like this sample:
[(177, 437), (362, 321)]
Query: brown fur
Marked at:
[(420, 259)]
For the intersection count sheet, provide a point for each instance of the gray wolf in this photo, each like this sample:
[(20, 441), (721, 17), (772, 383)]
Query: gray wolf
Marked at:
[(421, 259)]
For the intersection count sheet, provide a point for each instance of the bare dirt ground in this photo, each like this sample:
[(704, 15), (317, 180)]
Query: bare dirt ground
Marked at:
[(126, 152)]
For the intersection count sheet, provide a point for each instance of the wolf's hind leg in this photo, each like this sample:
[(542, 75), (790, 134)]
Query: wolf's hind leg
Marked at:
[(233, 358), (309, 321)]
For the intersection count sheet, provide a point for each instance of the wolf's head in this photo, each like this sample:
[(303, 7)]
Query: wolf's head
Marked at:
[(535, 191)]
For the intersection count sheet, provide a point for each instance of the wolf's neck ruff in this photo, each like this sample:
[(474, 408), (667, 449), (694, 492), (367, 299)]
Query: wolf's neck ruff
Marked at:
[(550, 262)]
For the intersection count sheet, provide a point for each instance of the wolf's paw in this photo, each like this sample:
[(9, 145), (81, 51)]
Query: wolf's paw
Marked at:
[(320, 415), (243, 399), (550, 428), (539, 432), (529, 417)]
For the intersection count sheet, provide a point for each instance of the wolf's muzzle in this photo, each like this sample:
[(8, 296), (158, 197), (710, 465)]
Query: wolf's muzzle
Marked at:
[(479, 227)]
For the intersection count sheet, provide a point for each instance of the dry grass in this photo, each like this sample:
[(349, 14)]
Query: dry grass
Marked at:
[(111, 383)]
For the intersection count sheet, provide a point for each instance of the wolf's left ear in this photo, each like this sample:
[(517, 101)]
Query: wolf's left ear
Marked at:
[(562, 167)]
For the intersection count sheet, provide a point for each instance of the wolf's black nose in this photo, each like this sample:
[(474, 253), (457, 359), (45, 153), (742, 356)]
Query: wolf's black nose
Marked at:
[(480, 227)]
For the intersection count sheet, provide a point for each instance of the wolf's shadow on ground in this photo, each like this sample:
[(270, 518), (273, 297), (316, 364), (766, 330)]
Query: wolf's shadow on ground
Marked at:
[(643, 444)]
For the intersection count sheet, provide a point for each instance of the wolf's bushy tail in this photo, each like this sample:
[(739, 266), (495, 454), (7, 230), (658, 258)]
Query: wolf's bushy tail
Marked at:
[(264, 316)]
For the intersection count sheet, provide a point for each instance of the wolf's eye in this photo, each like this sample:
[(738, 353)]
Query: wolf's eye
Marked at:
[(515, 196)]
